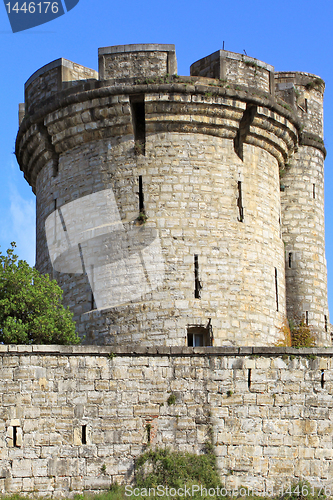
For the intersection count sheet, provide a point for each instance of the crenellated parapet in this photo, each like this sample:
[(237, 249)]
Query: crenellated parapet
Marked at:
[(190, 169), (194, 105)]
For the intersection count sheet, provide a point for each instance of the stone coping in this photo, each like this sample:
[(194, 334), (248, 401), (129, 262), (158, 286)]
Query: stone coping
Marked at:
[(175, 351), (137, 47)]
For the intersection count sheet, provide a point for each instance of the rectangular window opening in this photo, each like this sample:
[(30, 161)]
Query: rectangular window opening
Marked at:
[(55, 203), (326, 326), (240, 203), (290, 257), (197, 283), (322, 381), (276, 290), (198, 336), (307, 318), (139, 123), (314, 191), (141, 197), (84, 434)]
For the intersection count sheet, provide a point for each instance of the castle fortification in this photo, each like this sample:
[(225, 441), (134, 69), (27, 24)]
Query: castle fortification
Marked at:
[(179, 210), (184, 219)]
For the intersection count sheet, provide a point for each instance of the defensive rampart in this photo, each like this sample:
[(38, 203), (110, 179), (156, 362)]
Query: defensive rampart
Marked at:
[(75, 418)]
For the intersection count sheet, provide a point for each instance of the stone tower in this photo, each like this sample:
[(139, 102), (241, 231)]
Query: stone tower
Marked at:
[(179, 210)]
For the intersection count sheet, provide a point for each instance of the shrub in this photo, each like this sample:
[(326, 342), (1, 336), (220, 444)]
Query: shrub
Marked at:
[(302, 334), (175, 469), (30, 306)]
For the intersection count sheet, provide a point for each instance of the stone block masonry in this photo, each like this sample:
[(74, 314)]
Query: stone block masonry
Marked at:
[(207, 195), (75, 418)]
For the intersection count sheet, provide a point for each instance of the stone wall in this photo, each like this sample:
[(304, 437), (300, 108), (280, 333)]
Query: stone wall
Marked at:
[(75, 418)]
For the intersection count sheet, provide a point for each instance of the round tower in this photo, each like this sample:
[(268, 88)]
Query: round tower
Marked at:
[(158, 196), (302, 201)]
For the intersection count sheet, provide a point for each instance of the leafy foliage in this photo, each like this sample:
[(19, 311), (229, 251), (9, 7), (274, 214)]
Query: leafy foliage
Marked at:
[(301, 334), (285, 333), (175, 469), (30, 306), (296, 333)]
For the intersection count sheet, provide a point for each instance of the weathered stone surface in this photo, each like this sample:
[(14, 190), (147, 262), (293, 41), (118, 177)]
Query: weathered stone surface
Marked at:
[(272, 430)]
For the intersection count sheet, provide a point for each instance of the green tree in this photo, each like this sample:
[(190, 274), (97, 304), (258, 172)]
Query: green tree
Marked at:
[(31, 311)]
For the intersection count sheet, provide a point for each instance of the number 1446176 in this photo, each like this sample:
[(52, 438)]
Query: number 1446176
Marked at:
[(33, 7)]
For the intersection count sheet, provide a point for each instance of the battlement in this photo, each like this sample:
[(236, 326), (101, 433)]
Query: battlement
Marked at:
[(236, 69), (304, 93), (137, 60), (52, 78)]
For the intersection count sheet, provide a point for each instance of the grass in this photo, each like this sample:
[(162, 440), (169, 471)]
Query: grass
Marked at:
[(194, 473)]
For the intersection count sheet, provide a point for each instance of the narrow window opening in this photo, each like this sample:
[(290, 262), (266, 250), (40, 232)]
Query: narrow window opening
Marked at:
[(276, 290), (139, 123), (326, 326), (84, 434), (240, 202), (92, 301), (197, 283), (141, 197), (249, 378), (290, 257), (322, 381), (314, 191), (306, 105), (14, 436), (148, 429), (55, 203), (307, 318), (55, 168)]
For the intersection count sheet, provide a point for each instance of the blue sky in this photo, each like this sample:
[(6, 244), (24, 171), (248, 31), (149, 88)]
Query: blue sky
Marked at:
[(291, 35)]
